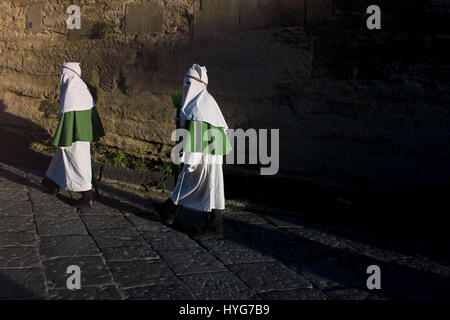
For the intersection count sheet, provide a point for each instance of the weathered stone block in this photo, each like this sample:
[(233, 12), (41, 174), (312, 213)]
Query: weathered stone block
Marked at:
[(67, 246), (348, 5), (325, 274), (16, 209), (232, 252), (162, 239), (93, 271), (90, 293), (258, 14), (318, 10), (218, 285), (355, 294), (22, 283), (141, 273), (58, 227), (117, 238), (86, 31), (292, 12), (331, 60), (17, 239), (218, 15), (192, 261), (17, 224), (19, 257), (248, 14), (299, 294), (173, 291), (264, 277), (102, 222), (102, 210), (361, 6), (130, 253), (144, 18), (34, 18), (135, 178)]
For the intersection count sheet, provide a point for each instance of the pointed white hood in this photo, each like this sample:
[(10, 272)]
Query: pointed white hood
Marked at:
[(198, 104), (74, 93)]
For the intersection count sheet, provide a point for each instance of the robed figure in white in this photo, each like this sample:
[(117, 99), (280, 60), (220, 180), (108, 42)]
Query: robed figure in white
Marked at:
[(79, 125), (200, 185)]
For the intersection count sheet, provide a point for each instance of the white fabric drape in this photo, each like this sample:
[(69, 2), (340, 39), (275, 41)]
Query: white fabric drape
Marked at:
[(71, 167), (198, 104), (74, 93), (202, 188), (200, 184)]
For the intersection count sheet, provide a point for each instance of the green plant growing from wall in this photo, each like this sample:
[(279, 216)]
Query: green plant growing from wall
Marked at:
[(118, 159), (142, 164), (177, 99), (50, 108), (103, 30), (167, 168), (97, 151), (161, 185), (113, 157), (108, 29)]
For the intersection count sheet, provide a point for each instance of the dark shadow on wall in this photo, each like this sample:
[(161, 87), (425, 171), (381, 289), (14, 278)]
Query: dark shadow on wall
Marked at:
[(16, 136), (11, 290)]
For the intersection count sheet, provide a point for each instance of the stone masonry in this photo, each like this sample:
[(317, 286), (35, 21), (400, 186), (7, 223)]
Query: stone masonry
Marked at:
[(124, 252)]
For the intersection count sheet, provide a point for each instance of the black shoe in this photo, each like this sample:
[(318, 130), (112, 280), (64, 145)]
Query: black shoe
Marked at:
[(52, 187), (167, 211), (213, 228), (87, 201)]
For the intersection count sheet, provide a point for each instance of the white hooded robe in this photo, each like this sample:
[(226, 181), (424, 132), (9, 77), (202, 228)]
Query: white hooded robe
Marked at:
[(71, 167), (200, 184)]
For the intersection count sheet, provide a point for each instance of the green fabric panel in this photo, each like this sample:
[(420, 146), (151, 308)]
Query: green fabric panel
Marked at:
[(78, 126), (200, 138)]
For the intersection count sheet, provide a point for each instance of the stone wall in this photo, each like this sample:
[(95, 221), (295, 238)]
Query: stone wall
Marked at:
[(352, 104)]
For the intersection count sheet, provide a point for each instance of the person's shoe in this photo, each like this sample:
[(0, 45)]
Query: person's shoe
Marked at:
[(213, 228), (87, 201), (167, 211), (52, 187)]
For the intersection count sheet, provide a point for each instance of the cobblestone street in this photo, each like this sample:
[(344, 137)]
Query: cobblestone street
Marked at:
[(124, 252)]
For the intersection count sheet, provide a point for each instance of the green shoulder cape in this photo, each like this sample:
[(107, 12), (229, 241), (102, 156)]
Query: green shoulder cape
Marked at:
[(206, 138), (78, 126)]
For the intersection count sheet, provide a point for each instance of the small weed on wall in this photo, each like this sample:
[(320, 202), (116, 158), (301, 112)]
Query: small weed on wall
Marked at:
[(50, 108)]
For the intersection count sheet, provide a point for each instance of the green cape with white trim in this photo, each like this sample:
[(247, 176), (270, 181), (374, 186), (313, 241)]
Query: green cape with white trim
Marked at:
[(78, 126)]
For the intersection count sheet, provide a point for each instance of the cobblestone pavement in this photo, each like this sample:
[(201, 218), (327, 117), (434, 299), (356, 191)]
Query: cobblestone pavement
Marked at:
[(125, 253)]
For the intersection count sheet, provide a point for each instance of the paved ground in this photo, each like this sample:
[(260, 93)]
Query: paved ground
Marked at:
[(125, 253)]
